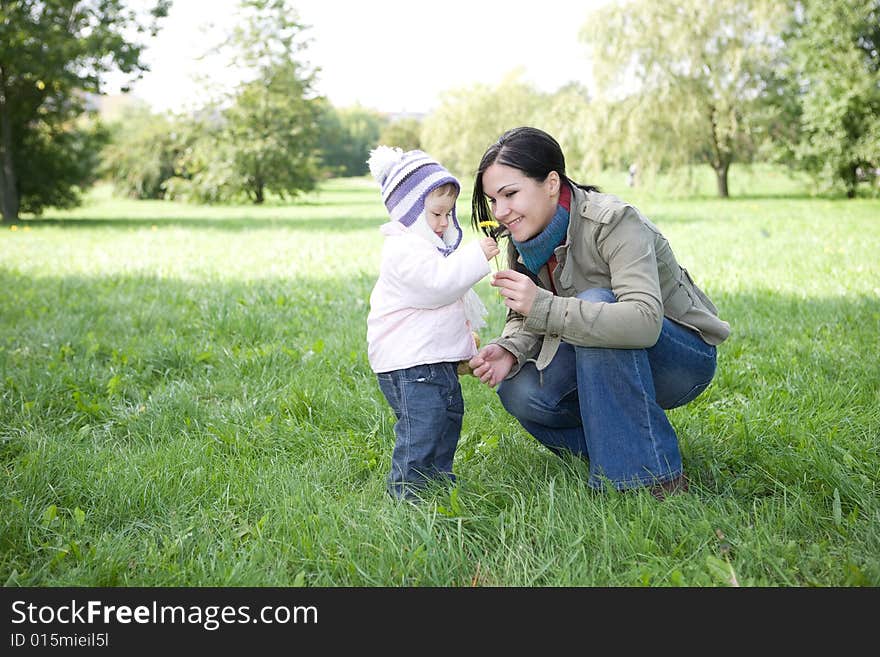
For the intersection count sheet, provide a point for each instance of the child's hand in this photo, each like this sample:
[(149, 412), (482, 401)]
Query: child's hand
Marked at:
[(490, 247)]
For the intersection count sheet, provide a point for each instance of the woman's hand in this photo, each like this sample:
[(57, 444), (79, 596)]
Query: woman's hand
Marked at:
[(492, 364), (518, 290)]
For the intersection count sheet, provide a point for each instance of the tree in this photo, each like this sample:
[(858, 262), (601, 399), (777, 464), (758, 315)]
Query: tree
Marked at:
[(270, 134), (53, 53), (570, 116), (204, 170), (143, 153), (267, 135), (468, 120), (346, 136), (697, 71), (405, 133), (834, 47)]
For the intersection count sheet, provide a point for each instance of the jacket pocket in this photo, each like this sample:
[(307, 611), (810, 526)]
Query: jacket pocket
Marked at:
[(679, 301), (699, 293)]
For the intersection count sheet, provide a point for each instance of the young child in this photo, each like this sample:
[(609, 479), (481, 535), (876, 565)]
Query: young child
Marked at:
[(423, 314)]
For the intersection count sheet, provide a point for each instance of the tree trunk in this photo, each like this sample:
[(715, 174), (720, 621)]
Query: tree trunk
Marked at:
[(258, 194), (721, 174), (851, 180), (9, 201), (721, 154)]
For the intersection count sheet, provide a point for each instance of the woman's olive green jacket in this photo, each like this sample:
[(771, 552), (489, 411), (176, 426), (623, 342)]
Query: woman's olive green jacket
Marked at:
[(610, 245)]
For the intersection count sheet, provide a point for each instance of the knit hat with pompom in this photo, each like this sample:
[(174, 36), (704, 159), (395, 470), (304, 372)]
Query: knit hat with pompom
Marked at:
[(406, 179)]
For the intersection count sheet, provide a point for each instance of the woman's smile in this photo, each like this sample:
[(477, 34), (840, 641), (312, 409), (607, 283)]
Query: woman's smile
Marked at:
[(522, 205)]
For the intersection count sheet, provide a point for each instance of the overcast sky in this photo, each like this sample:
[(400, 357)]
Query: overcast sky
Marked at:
[(389, 55)]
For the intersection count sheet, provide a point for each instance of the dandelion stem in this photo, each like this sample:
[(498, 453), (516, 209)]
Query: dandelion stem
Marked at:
[(497, 232)]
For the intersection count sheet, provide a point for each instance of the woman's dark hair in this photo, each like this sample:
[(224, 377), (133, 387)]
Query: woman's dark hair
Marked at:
[(530, 150)]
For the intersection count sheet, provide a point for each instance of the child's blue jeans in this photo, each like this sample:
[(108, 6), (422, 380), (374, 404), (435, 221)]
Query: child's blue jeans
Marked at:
[(427, 401), (606, 405)]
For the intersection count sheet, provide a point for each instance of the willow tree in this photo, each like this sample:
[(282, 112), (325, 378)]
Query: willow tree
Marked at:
[(469, 119), (834, 49), (688, 77)]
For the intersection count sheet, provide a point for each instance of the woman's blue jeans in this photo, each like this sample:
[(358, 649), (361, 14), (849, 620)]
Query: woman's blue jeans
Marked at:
[(607, 405), (428, 405)]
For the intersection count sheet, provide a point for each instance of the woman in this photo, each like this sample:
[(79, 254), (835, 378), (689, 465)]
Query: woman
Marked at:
[(604, 329)]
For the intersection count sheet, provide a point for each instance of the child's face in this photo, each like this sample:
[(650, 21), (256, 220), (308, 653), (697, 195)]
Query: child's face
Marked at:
[(438, 211)]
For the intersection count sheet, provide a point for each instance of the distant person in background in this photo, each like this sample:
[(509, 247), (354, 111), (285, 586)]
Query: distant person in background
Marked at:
[(633, 172), (604, 329), (423, 314)]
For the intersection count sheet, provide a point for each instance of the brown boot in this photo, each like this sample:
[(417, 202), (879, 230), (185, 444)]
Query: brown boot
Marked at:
[(672, 487)]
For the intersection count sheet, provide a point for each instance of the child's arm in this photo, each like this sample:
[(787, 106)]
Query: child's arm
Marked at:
[(430, 280)]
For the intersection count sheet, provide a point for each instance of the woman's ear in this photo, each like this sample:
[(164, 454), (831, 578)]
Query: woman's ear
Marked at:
[(552, 181)]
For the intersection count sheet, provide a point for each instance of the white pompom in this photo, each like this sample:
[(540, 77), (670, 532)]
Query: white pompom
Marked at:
[(382, 158)]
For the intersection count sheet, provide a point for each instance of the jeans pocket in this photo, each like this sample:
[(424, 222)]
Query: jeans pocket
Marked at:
[(389, 389), (419, 374)]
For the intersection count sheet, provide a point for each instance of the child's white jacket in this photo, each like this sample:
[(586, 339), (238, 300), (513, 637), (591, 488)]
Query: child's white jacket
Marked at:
[(417, 308)]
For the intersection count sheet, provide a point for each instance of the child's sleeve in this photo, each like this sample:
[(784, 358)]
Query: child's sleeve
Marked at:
[(426, 279)]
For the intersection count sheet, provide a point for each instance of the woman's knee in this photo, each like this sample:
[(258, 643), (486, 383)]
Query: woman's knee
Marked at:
[(596, 294)]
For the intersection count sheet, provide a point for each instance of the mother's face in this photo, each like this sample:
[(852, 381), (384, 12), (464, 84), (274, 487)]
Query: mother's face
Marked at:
[(521, 204)]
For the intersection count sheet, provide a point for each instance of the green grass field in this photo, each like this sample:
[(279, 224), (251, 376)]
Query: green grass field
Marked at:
[(185, 400)]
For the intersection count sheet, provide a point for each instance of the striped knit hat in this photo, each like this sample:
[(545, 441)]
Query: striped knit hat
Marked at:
[(406, 180)]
